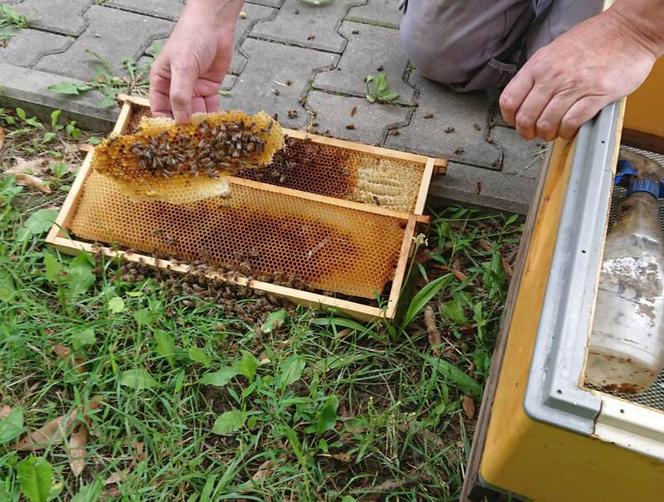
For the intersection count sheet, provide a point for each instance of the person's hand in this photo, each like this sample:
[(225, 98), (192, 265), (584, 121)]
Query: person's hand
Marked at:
[(188, 73), (567, 82)]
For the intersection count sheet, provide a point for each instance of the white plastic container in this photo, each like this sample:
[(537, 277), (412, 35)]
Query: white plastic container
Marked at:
[(626, 349)]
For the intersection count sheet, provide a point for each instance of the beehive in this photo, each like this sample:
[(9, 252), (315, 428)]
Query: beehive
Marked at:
[(338, 216)]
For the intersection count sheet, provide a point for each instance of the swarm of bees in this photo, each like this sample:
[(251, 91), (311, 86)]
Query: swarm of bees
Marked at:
[(162, 157), (250, 306)]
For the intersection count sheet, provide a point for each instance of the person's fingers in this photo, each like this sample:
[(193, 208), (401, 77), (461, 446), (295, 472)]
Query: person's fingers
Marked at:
[(198, 105), (182, 91), (212, 103), (159, 90), (514, 94), (580, 113), (548, 123), (531, 109)]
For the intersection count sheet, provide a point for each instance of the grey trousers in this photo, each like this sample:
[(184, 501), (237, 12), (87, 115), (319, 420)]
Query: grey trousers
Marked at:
[(478, 44)]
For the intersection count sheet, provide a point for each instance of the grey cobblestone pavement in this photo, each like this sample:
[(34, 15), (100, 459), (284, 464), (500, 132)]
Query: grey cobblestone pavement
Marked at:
[(306, 64)]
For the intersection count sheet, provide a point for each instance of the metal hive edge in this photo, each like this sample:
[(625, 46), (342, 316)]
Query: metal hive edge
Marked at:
[(553, 394)]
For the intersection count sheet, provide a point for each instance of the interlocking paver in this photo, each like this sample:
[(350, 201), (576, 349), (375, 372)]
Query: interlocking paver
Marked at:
[(521, 157), (270, 67), (354, 118), (482, 187), (27, 46), (59, 16), (267, 3), (169, 9), (112, 34), (301, 24), (378, 12), (251, 14), (463, 116), (370, 49)]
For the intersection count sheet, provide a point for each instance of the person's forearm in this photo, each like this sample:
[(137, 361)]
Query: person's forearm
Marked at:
[(643, 21), (224, 12)]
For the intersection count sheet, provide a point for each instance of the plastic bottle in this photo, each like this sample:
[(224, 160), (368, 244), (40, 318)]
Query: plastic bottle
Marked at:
[(626, 349)]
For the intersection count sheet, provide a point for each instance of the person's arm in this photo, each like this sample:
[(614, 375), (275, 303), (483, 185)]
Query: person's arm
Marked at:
[(188, 73), (595, 63)]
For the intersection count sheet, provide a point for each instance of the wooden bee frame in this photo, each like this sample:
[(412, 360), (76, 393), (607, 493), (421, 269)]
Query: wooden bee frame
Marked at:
[(58, 238)]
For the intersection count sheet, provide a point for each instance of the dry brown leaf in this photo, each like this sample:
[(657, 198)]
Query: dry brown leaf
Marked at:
[(485, 244), (2, 138), (86, 147), (77, 443), (346, 458), (139, 447), (112, 492), (344, 332), (264, 471), (28, 180), (390, 485), (469, 406), (61, 350), (507, 267), (456, 270), (116, 477), (54, 432), (432, 330), (37, 166), (5, 411)]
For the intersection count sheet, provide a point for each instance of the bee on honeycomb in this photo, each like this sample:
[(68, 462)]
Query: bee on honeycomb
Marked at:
[(188, 162)]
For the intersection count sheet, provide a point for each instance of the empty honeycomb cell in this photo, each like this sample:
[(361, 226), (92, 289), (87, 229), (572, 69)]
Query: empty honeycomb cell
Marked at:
[(158, 159), (327, 247)]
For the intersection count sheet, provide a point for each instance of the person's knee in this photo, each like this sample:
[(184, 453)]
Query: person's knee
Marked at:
[(440, 60)]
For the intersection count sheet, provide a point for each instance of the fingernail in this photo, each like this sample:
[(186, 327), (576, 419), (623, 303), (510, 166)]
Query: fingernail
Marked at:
[(181, 117)]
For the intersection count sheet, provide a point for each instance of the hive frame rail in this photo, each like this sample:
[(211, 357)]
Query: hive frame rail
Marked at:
[(58, 238)]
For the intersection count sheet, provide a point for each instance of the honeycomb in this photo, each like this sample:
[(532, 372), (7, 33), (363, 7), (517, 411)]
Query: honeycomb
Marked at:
[(330, 248), (342, 173), (185, 163)]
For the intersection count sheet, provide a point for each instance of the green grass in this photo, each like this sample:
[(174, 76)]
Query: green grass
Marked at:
[(188, 400), (10, 22)]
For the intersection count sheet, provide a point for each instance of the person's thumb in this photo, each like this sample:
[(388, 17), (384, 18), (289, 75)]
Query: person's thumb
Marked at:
[(182, 90)]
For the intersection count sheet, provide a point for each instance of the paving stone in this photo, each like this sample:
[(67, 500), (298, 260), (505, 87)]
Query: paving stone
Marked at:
[(228, 83), (521, 157), (369, 49), (268, 62), (301, 24), (483, 188), (156, 46), (28, 88), (378, 12), (59, 16), (253, 14), (27, 46), (169, 9), (112, 34), (369, 122), (267, 3), (466, 113)]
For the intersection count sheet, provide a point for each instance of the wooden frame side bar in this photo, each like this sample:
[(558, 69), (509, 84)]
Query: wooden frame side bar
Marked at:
[(356, 310), (71, 201), (400, 271), (421, 199)]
